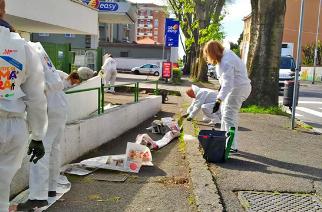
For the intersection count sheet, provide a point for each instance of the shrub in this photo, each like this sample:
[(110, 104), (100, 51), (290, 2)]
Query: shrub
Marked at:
[(177, 74)]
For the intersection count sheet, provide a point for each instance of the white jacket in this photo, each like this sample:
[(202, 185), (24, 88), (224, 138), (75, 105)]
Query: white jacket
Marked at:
[(109, 65), (232, 73), (54, 85), (203, 96), (22, 82)]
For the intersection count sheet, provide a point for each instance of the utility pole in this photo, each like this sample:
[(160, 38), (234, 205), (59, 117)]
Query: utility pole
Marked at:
[(316, 43), (298, 65)]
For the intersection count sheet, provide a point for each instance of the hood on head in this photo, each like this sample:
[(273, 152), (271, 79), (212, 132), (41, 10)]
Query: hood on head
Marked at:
[(195, 89)]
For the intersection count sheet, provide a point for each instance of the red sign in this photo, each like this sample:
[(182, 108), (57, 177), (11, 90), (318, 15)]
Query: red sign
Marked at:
[(166, 69)]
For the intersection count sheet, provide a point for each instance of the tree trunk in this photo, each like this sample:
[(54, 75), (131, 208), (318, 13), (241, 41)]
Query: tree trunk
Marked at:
[(265, 50)]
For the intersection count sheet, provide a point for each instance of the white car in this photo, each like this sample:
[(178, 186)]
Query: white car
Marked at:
[(287, 70), (150, 69)]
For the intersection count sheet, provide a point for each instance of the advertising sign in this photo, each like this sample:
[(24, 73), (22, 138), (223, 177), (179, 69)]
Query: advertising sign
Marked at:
[(166, 70), (172, 32), (102, 5)]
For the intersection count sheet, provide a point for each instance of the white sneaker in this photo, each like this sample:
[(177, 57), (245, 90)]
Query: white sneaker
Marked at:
[(212, 122)]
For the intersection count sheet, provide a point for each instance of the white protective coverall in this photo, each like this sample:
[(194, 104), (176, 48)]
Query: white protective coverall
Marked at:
[(21, 90), (204, 100), (235, 89), (44, 174), (85, 73), (63, 76), (110, 72)]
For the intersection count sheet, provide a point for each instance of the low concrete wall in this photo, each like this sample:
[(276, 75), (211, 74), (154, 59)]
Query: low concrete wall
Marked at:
[(307, 73), (80, 105), (88, 134)]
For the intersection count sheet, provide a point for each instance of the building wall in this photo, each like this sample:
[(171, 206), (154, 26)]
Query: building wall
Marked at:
[(291, 24), (136, 51), (150, 22), (76, 42), (292, 18)]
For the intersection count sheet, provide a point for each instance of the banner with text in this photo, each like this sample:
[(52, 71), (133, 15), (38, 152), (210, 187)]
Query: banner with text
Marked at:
[(172, 32)]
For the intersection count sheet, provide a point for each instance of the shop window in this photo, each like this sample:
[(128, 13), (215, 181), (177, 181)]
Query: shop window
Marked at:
[(43, 34), (156, 23)]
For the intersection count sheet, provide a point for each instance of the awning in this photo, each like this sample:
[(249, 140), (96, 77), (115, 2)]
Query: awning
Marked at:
[(52, 16), (122, 13)]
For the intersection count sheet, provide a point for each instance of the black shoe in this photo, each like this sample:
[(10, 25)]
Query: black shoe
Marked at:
[(52, 193), (233, 150), (31, 204)]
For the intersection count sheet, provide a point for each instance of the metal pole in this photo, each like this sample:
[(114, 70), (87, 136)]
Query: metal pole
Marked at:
[(298, 65), (102, 96), (316, 43), (163, 50)]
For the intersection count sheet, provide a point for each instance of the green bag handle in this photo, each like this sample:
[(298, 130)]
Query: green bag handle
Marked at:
[(231, 134)]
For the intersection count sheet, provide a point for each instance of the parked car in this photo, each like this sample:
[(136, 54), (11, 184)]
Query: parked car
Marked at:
[(287, 70), (147, 69), (212, 71)]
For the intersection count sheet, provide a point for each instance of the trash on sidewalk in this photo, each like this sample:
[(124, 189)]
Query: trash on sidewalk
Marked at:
[(63, 186), (166, 126), (76, 169), (145, 139), (163, 126), (136, 156)]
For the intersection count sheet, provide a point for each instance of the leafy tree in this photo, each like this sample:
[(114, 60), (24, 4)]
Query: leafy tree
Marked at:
[(199, 20), (308, 54), (265, 50)]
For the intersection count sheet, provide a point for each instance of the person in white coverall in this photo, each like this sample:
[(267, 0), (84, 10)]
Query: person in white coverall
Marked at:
[(43, 175), (204, 100), (234, 82), (85, 73), (21, 90), (110, 72), (70, 80)]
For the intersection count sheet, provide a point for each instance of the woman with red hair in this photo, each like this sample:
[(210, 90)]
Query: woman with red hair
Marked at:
[(234, 82)]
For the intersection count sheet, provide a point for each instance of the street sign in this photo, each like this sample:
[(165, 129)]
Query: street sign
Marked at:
[(172, 32), (166, 70)]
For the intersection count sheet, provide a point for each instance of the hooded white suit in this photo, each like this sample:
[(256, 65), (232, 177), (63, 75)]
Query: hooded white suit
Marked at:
[(21, 90), (235, 89), (110, 72), (44, 174), (204, 100)]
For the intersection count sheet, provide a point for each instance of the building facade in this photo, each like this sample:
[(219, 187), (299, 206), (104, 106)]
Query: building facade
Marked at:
[(150, 23), (291, 27)]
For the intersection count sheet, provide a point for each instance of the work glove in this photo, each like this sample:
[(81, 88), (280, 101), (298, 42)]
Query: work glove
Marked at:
[(189, 119), (185, 115), (36, 150), (216, 106)]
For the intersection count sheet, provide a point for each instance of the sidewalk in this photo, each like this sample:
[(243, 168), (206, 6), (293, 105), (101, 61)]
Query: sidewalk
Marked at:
[(163, 187), (272, 158)]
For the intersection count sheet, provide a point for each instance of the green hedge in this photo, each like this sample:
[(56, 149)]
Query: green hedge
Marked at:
[(177, 74)]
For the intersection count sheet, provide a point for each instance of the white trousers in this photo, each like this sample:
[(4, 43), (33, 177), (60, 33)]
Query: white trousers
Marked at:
[(44, 174), (230, 110), (207, 112), (13, 147), (110, 78)]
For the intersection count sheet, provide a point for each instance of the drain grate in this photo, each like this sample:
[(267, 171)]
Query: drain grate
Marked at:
[(265, 201)]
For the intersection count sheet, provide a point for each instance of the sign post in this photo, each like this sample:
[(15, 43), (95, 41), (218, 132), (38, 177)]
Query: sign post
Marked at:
[(166, 70)]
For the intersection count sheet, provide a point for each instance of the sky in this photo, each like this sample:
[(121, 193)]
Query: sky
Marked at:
[(232, 23)]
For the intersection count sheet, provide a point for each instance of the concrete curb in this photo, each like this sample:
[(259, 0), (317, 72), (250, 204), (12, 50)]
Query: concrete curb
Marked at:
[(203, 185)]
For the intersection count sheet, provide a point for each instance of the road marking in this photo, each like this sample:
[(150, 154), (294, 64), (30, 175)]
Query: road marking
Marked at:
[(310, 102), (307, 110), (296, 114)]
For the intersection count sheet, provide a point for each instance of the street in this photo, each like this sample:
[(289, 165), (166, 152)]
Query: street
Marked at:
[(309, 108)]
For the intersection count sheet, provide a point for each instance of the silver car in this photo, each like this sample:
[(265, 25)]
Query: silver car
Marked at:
[(150, 69), (212, 71)]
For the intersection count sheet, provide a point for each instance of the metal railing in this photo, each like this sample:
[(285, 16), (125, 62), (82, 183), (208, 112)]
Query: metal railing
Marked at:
[(101, 96)]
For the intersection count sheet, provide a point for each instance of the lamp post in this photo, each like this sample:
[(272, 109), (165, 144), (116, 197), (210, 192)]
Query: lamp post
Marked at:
[(316, 43), (298, 65)]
